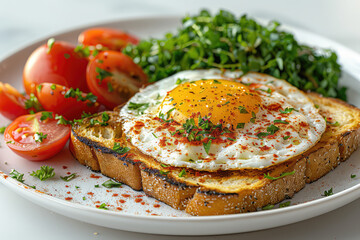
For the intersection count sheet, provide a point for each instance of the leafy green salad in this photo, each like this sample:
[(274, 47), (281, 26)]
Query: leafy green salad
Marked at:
[(225, 41)]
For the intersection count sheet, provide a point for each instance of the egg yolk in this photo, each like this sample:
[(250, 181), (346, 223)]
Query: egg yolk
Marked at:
[(223, 101)]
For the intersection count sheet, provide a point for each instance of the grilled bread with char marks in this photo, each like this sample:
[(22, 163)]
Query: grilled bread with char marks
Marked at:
[(222, 192)]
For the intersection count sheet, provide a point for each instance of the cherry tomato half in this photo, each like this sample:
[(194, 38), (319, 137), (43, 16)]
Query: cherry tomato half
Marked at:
[(55, 62), (12, 103), (114, 77), (69, 103), (36, 139), (110, 38)]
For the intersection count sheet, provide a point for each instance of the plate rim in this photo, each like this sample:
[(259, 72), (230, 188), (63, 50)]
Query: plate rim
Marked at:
[(13, 184)]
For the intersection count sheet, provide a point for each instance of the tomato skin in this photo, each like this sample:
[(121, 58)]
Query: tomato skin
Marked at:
[(112, 39), (26, 147), (127, 77), (52, 98), (59, 65), (12, 103)]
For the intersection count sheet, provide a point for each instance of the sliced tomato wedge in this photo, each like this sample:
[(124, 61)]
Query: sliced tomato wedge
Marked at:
[(12, 103), (36, 139), (68, 102), (55, 62), (114, 77), (112, 39)]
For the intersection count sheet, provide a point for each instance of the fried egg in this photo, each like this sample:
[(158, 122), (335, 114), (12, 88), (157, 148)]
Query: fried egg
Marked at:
[(210, 120)]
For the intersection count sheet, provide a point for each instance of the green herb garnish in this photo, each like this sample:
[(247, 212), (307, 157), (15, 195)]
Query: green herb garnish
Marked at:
[(103, 207), (226, 41), (16, 175), (33, 102), (44, 173), (102, 74), (272, 129), (111, 184), (76, 93), (268, 207), (328, 192), (242, 109), (284, 204), (119, 149), (46, 115), (39, 137), (287, 110), (2, 130), (110, 87), (69, 177), (353, 176), (207, 146), (266, 175), (281, 121), (139, 107), (182, 173)]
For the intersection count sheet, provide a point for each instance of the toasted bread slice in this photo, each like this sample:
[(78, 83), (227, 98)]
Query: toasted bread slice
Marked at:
[(223, 192)]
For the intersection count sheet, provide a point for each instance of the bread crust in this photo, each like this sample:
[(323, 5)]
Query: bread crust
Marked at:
[(224, 192)]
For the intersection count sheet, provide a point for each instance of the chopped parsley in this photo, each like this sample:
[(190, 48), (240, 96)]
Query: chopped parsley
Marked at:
[(111, 184), (62, 120), (2, 130), (82, 50), (102, 74), (240, 125), (353, 176), (268, 207), (103, 207), (16, 175), (139, 107), (40, 137), (216, 81), (272, 129), (33, 102), (76, 93), (328, 192), (253, 117), (286, 137), (104, 117), (266, 175), (242, 109), (288, 110), (110, 87), (284, 204), (154, 135), (53, 87), (119, 149), (164, 172), (182, 173), (39, 87), (69, 177), (44, 173), (281, 121), (46, 115), (207, 146), (335, 124)]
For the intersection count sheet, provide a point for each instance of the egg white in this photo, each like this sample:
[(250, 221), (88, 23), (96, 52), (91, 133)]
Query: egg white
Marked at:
[(247, 151)]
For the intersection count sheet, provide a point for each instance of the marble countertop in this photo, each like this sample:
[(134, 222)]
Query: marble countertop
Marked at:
[(23, 22)]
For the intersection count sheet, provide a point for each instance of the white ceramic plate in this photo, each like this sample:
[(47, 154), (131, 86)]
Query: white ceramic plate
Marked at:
[(133, 211)]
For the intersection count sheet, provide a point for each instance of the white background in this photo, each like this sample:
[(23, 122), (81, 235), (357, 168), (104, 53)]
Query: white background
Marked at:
[(24, 21)]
